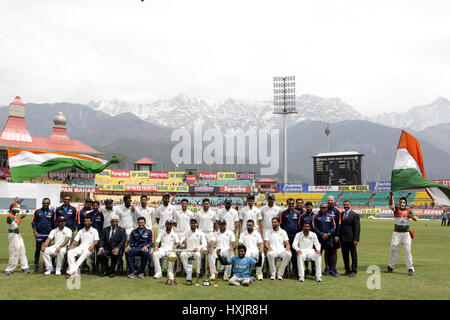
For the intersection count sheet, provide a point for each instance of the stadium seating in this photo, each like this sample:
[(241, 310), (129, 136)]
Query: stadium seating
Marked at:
[(315, 198), (420, 199), (356, 198)]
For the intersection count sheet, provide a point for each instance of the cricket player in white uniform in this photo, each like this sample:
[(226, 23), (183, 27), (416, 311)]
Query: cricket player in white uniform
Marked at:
[(183, 218), (225, 242), (87, 238), (230, 215), (206, 220), (254, 244), (304, 244), (107, 212), (165, 212), (250, 212), (145, 211), (194, 240), (126, 215), (277, 245), (169, 241), (269, 211), (16, 245), (62, 236)]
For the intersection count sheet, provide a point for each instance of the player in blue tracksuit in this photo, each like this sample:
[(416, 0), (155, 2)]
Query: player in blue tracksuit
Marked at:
[(290, 222), (43, 222), (308, 217), (82, 213), (324, 226), (242, 266), (97, 217), (336, 214), (139, 244), (68, 212)]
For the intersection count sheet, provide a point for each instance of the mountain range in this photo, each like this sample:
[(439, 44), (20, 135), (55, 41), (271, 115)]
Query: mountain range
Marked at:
[(146, 130)]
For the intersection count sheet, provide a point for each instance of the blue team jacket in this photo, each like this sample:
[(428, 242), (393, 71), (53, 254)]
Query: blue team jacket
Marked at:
[(290, 222), (97, 220), (43, 221), (70, 214), (336, 214), (138, 240), (323, 223)]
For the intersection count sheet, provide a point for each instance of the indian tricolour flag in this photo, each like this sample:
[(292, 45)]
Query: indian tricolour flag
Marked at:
[(28, 164), (409, 172)]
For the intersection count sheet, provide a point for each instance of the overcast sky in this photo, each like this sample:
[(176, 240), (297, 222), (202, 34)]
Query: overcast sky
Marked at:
[(377, 56)]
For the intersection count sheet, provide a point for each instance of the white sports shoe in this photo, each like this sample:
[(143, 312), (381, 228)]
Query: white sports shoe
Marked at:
[(273, 276), (48, 272), (301, 279), (279, 277), (319, 279), (157, 276), (58, 273)]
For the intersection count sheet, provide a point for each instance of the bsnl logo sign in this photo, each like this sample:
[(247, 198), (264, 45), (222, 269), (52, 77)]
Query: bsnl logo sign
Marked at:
[(213, 152)]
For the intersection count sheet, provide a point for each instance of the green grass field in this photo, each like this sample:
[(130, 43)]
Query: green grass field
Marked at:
[(430, 252)]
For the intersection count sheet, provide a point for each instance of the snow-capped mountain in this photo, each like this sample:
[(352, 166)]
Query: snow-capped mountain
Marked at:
[(418, 118), (181, 111)]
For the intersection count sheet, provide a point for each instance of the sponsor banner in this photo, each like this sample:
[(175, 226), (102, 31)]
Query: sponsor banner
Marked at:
[(370, 210), (203, 189), (120, 174), (380, 186), (177, 175), (111, 187), (70, 175), (141, 188), (323, 188), (444, 182), (173, 188), (292, 187), (427, 211), (191, 178), (226, 175), (235, 189), (106, 173), (207, 176), (354, 188), (245, 176), (78, 189), (267, 190), (158, 175), (81, 182), (4, 173), (140, 174)]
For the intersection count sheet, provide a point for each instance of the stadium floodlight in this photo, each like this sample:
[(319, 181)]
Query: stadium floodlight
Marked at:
[(284, 103)]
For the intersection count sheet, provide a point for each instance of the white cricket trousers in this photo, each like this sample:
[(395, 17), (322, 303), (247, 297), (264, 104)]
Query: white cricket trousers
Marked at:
[(16, 252), (309, 254), (272, 255), (235, 281), (82, 254), (184, 257), (51, 252), (157, 255), (399, 239), (255, 255), (212, 262)]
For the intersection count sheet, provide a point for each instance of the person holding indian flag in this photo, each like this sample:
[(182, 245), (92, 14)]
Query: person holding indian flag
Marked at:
[(409, 173)]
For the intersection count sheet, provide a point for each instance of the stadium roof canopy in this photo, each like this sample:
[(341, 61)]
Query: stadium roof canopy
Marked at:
[(15, 134), (338, 154), (266, 180), (144, 161)]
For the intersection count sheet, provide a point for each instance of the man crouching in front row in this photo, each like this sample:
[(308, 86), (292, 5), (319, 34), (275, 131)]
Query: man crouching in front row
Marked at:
[(242, 266)]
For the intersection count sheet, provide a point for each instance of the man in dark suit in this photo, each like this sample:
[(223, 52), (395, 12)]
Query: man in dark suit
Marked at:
[(350, 238), (112, 241)]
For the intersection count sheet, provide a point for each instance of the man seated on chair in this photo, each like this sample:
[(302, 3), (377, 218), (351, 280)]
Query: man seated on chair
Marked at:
[(139, 244), (304, 244), (225, 242), (242, 266), (112, 241), (194, 240), (87, 238), (277, 244), (62, 236), (169, 241), (254, 243)]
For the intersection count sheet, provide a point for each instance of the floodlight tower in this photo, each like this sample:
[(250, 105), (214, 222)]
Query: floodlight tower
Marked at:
[(284, 103)]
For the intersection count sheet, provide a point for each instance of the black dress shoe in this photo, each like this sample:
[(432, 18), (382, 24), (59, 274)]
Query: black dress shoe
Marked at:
[(112, 275), (347, 273), (352, 274), (104, 274), (389, 270)]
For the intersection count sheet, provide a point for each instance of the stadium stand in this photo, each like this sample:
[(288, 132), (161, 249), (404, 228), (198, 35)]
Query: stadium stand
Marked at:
[(356, 198)]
